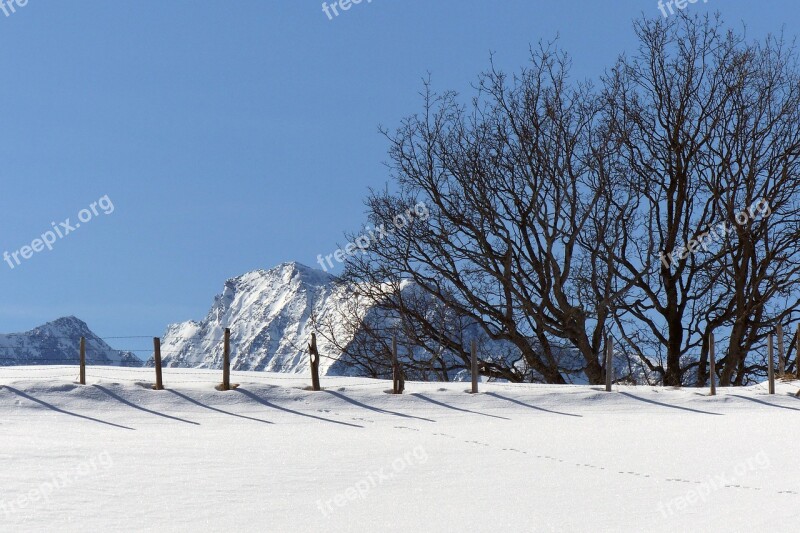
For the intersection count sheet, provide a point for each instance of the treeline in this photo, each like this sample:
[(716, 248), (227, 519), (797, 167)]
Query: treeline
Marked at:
[(657, 204)]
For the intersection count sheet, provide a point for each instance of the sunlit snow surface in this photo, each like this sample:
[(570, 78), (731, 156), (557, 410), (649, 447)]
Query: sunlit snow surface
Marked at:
[(270, 456)]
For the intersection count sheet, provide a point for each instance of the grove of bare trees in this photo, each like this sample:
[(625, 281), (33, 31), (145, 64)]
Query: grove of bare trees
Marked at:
[(656, 205)]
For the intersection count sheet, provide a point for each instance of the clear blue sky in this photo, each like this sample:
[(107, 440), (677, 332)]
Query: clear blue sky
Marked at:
[(235, 135)]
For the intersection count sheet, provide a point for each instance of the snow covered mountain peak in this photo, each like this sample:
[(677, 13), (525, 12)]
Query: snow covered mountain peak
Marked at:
[(61, 325), (57, 342), (269, 313)]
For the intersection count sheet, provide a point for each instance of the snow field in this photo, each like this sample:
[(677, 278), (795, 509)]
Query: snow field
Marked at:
[(270, 456)]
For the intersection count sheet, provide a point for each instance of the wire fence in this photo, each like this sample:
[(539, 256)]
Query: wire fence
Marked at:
[(16, 365), (211, 356)]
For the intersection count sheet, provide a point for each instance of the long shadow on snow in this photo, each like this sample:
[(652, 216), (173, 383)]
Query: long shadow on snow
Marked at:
[(268, 404), (376, 409), (62, 411), (192, 400), (122, 400), (629, 395), (431, 400), (762, 402), (530, 406)]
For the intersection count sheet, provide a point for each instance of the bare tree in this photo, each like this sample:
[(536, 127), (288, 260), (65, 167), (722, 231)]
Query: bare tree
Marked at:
[(517, 187), (707, 122), (661, 207)]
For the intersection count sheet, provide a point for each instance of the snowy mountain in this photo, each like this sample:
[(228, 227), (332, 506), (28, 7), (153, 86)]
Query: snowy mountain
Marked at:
[(269, 313), (58, 342)]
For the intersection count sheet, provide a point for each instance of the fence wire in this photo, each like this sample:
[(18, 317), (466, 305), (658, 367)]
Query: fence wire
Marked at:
[(27, 367)]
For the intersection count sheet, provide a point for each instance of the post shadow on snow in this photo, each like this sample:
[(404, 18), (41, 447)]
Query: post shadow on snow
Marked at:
[(262, 401), (122, 400), (62, 411), (512, 400), (629, 395), (440, 404), (376, 409), (762, 402), (192, 400)]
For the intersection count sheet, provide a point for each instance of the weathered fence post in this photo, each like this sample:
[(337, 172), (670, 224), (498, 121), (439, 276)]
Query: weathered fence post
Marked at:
[(226, 361), (770, 365), (157, 358), (83, 360), (712, 364), (797, 353), (401, 379), (314, 354), (781, 352), (474, 354), (395, 369), (609, 367)]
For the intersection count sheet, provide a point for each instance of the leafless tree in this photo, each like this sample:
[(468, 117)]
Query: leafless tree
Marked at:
[(708, 123), (518, 185), (660, 207)]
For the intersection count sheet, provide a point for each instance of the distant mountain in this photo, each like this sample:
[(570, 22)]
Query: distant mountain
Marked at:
[(269, 313), (57, 343)]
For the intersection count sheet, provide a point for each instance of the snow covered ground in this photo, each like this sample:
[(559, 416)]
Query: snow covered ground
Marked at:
[(271, 456)]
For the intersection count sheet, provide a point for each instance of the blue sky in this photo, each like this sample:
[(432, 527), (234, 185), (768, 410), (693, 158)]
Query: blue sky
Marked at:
[(232, 136)]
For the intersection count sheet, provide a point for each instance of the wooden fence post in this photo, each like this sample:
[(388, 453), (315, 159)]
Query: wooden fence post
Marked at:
[(83, 360), (157, 358), (226, 361), (712, 364), (395, 373), (770, 365), (314, 354), (474, 353), (797, 353), (781, 353), (609, 365), (401, 379)]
